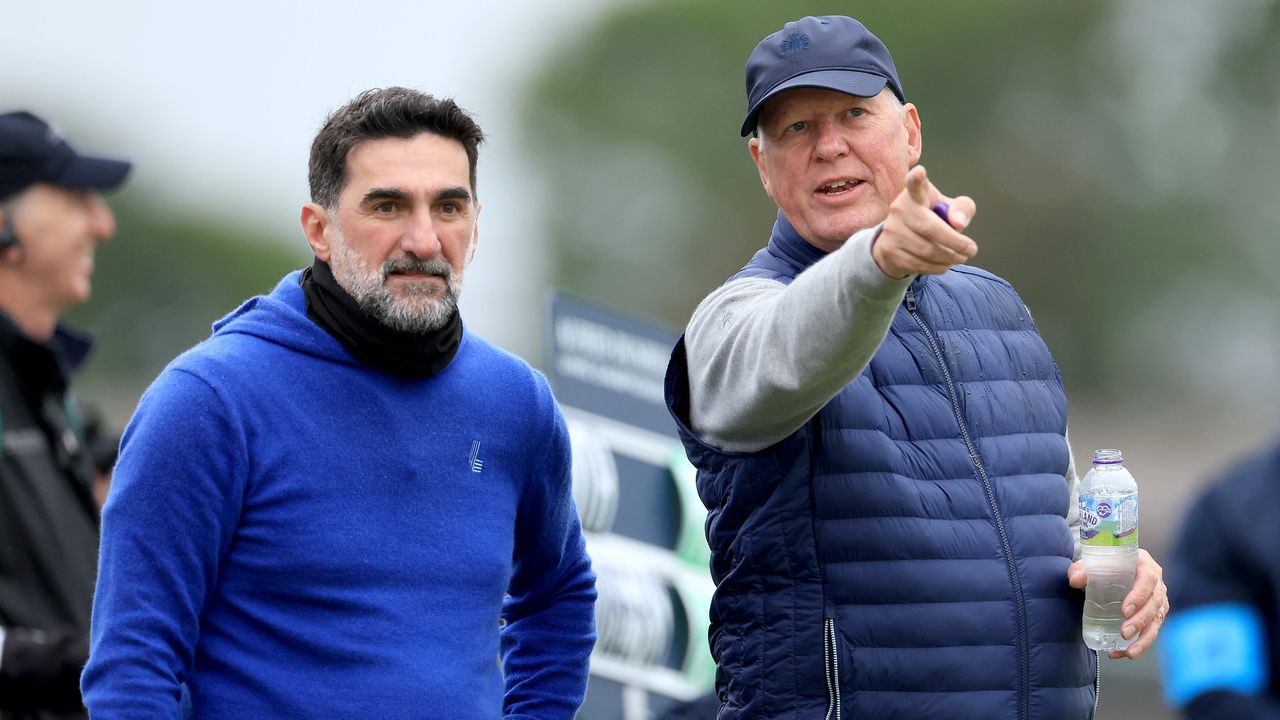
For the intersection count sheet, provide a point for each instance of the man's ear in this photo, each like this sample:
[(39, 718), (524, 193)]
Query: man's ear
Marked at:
[(8, 236), (757, 156), (315, 223), (475, 235), (915, 136), (10, 248)]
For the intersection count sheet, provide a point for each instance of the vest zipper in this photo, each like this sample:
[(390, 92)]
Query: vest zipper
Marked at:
[(1097, 681), (1019, 600), (830, 648), (831, 668)]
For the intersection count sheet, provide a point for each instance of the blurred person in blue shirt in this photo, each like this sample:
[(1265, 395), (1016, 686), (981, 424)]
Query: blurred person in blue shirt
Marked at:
[(1221, 649)]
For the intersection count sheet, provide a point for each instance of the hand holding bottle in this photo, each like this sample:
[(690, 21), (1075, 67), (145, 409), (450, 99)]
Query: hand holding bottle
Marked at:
[(1124, 590)]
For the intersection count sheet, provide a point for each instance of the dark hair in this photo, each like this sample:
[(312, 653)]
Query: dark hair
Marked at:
[(393, 112)]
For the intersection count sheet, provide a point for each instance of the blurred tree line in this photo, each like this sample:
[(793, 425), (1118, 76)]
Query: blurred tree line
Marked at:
[(1121, 154)]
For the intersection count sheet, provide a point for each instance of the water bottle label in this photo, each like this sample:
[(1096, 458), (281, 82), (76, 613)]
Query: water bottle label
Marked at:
[(1109, 521)]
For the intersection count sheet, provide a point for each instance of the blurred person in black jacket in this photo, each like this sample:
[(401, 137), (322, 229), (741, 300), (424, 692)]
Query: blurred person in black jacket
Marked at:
[(51, 221), (1221, 655)]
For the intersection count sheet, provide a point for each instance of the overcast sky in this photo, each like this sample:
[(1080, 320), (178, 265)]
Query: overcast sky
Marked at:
[(217, 104)]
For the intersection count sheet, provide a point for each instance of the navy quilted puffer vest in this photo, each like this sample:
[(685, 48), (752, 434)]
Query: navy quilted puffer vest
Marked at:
[(904, 554)]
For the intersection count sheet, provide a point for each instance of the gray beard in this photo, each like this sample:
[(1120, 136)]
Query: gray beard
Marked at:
[(417, 312)]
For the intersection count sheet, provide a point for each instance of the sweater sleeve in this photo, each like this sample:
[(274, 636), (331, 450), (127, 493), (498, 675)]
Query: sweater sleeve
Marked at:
[(1072, 478), (548, 615), (764, 357), (171, 513)]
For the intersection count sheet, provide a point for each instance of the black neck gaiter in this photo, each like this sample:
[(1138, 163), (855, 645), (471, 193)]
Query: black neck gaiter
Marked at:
[(406, 354)]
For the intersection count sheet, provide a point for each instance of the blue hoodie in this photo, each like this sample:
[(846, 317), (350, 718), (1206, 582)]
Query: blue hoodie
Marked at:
[(291, 533)]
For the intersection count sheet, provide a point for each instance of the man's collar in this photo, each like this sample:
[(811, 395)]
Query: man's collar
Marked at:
[(787, 243), (69, 347), (73, 346)]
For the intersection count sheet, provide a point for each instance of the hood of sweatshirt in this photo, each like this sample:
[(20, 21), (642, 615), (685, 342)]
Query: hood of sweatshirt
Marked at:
[(280, 317)]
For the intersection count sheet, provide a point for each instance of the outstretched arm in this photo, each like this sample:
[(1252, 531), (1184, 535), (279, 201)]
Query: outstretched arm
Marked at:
[(764, 357)]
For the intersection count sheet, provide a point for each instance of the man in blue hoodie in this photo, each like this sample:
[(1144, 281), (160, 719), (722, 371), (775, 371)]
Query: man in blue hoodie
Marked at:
[(879, 431), (342, 504)]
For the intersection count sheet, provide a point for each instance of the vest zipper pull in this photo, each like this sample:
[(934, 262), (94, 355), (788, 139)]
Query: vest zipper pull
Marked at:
[(911, 300)]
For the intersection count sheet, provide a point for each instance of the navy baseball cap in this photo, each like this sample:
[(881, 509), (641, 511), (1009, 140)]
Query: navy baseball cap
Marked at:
[(833, 52), (31, 152)]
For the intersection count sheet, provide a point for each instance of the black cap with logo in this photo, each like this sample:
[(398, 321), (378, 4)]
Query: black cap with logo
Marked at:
[(31, 152)]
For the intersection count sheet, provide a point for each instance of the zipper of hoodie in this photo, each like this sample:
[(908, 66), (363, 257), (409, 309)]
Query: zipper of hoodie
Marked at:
[(1015, 583)]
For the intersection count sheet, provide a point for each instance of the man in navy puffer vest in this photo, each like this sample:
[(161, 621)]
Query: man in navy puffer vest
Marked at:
[(879, 431)]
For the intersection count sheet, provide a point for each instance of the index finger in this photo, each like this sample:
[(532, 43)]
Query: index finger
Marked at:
[(919, 187)]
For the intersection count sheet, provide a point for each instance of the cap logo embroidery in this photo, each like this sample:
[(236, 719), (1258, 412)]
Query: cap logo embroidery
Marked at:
[(794, 42)]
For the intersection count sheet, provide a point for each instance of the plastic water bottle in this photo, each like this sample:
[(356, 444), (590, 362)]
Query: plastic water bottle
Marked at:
[(1109, 534)]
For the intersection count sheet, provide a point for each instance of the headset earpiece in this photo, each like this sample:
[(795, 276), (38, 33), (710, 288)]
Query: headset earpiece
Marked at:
[(8, 238)]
